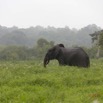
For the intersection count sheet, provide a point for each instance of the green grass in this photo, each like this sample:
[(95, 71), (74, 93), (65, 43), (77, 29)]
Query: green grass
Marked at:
[(30, 82)]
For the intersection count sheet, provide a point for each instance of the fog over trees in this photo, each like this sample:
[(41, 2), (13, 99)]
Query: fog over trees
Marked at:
[(29, 36), (32, 43)]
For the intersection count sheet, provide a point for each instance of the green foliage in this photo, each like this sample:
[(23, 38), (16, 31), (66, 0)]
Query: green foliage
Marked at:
[(98, 38), (14, 53), (30, 82), (37, 52), (101, 40), (42, 42), (42, 46), (25, 53)]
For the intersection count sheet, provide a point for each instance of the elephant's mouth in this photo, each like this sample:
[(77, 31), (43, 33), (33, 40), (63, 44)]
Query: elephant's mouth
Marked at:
[(46, 61)]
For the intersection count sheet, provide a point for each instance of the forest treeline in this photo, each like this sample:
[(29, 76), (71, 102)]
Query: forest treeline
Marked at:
[(26, 53), (36, 52), (29, 36), (33, 43)]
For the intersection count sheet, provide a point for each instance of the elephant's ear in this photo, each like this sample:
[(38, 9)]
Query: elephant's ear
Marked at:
[(61, 45)]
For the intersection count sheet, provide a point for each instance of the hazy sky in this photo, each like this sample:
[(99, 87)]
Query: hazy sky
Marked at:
[(57, 13)]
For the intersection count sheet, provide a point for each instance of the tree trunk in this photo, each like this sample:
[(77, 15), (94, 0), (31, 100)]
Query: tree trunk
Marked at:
[(98, 51)]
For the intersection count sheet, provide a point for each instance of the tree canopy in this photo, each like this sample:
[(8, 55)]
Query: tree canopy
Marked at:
[(29, 36)]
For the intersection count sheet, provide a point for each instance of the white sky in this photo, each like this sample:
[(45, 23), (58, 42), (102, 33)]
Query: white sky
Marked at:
[(57, 13)]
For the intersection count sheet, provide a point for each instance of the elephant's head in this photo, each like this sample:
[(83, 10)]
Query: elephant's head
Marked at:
[(52, 53)]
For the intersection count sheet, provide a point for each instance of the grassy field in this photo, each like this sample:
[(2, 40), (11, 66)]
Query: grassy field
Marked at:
[(30, 82)]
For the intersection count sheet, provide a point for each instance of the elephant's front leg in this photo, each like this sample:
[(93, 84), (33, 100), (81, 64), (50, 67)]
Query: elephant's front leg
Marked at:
[(61, 61)]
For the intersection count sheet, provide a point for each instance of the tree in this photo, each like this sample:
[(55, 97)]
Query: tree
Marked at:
[(97, 38), (42, 42), (42, 46), (101, 39)]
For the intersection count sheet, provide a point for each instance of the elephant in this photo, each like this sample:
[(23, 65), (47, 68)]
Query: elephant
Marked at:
[(67, 56)]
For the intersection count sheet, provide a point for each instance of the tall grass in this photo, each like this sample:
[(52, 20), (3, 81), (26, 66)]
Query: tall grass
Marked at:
[(30, 82)]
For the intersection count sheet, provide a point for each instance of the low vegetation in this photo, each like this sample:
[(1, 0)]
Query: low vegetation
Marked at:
[(30, 82)]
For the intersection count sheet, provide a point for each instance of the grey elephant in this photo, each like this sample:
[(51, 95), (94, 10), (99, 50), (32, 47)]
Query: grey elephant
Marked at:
[(67, 56)]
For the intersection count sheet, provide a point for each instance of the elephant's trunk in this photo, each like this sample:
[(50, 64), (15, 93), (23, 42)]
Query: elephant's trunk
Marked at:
[(46, 61)]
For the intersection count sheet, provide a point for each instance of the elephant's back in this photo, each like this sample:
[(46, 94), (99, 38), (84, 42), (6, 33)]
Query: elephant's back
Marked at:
[(76, 56)]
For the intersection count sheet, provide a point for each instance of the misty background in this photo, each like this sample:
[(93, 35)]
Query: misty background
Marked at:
[(29, 36), (28, 28)]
